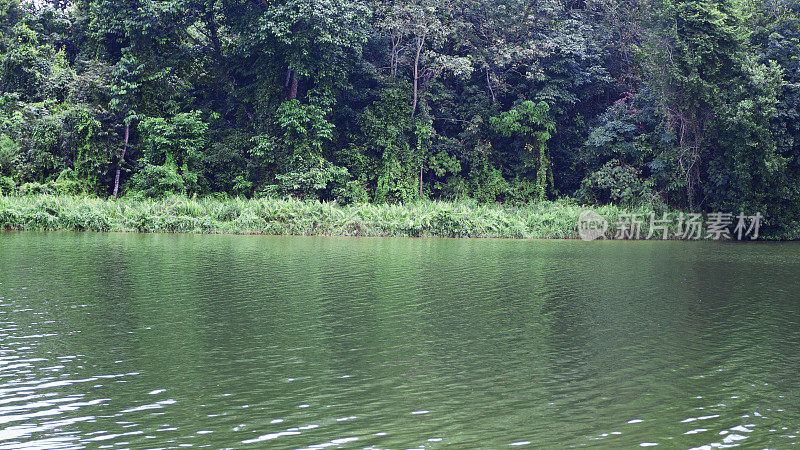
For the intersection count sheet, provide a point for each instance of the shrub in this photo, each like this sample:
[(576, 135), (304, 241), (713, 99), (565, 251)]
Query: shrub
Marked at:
[(35, 188), (7, 185), (68, 183), (290, 216), (351, 192), (617, 183), (8, 155), (157, 181), (322, 180)]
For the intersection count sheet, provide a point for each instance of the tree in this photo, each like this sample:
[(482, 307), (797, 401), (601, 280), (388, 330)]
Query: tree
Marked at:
[(696, 67), (531, 122), (124, 94), (425, 23)]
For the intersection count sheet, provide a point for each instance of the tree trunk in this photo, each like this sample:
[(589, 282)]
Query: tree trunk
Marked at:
[(293, 88), (397, 39), (420, 180), (121, 159), (489, 83), (420, 43)]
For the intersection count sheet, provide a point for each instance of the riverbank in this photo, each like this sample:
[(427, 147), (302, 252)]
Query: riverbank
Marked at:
[(547, 220)]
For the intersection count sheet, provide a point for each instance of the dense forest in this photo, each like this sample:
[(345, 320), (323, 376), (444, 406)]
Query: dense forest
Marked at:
[(680, 104)]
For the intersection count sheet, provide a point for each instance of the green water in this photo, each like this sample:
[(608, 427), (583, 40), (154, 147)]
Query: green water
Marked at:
[(160, 341)]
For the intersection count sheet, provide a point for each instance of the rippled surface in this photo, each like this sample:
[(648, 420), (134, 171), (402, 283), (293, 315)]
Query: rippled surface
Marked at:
[(153, 341)]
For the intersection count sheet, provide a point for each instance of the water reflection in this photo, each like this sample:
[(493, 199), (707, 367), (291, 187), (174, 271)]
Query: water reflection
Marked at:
[(224, 341)]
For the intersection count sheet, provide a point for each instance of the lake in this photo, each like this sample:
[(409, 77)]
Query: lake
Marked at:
[(167, 341)]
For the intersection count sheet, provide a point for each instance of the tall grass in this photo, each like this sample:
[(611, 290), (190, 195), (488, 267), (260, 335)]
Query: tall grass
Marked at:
[(294, 217)]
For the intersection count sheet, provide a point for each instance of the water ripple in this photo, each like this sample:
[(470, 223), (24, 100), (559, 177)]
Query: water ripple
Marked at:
[(221, 341)]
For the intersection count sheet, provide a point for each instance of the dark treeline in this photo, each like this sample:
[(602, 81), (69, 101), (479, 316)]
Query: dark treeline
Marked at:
[(688, 104)]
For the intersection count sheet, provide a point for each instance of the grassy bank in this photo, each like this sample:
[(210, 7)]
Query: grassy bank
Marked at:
[(294, 217)]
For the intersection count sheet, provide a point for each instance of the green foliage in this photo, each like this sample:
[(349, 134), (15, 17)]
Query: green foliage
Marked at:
[(43, 139), (173, 151), (304, 132), (689, 103), (175, 141), (488, 184), (384, 156), (532, 124), (615, 183), (176, 214), (157, 181), (8, 155), (7, 185), (352, 192), (69, 182), (321, 180), (34, 188)]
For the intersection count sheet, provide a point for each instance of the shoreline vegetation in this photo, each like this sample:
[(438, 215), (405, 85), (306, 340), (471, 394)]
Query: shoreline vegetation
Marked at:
[(678, 105), (268, 216)]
